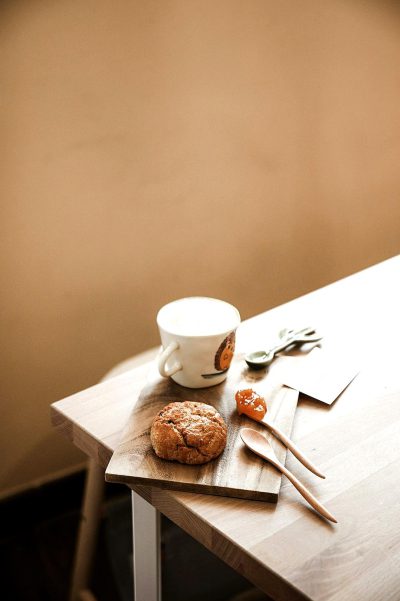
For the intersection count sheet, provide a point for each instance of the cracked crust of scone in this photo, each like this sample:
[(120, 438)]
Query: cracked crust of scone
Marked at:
[(188, 432)]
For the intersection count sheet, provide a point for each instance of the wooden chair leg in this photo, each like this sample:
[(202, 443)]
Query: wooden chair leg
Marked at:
[(92, 503), (88, 530)]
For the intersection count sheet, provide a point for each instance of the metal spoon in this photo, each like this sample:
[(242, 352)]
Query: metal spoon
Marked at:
[(260, 359), (257, 443)]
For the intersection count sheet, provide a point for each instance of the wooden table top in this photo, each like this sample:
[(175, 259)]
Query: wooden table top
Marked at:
[(286, 549)]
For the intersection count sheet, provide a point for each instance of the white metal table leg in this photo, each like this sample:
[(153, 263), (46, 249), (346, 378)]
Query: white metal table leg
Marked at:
[(146, 550)]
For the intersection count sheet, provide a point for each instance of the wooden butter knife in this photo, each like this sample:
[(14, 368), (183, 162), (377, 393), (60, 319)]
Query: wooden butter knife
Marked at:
[(289, 444)]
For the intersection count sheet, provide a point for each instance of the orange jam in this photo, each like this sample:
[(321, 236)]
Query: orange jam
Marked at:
[(250, 403)]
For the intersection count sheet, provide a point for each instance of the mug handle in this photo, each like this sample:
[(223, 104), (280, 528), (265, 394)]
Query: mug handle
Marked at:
[(163, 358)]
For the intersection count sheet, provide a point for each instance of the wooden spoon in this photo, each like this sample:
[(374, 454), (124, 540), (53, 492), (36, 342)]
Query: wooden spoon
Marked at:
[(261, 446)]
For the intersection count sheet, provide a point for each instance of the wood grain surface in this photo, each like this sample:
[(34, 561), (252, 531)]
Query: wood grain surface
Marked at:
[(236, 472), (285, 548)]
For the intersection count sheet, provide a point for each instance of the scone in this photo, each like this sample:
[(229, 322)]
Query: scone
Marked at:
[(188, 432)]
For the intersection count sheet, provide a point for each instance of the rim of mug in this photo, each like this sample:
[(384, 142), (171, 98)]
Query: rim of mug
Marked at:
[(216, 333)]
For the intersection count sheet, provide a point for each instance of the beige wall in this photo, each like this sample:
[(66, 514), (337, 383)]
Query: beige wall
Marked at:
[(247, 150)]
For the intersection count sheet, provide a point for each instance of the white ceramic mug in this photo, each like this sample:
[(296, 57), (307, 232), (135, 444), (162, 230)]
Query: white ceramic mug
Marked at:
[(198, 338)]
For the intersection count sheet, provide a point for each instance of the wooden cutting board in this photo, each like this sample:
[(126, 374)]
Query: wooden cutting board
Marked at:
[(237, 472)]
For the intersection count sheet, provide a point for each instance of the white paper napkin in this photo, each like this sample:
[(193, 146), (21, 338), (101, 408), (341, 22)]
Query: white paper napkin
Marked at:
[(321, 374)]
